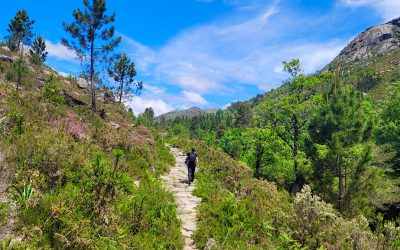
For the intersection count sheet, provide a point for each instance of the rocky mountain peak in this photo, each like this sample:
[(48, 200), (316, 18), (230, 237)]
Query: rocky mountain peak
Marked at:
[(377, 40)]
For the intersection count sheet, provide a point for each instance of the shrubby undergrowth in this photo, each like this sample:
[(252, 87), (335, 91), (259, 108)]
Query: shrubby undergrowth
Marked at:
[(82, 171), (239, 211)]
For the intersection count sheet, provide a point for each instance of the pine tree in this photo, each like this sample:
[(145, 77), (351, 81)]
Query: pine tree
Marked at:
[(123, 72), (91, 40), (18, 73), (288, 114), (243, 114), (389, 128), (340, 131), (149, 114), (20, 29), (37, 53)]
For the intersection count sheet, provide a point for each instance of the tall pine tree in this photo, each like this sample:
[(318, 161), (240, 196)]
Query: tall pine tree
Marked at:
[(340, 131), (20, 29), (288, 114), (92, 36)]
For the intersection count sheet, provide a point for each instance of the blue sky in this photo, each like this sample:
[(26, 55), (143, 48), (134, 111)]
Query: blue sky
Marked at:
[(208, 53)]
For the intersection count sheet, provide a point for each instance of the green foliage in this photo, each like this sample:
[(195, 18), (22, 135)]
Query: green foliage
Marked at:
[(263, 150), (242, 112), (314, 224), (17, 120), (288, 114), (293, 67), (23, 195), (20, 29), (367, 79), (51, 91), (38, 54), (237, 211), (146, 118), (3, 213), (123, 72), (18, 73), (341, 131), (92, 36), (6, 244), (389, 127)]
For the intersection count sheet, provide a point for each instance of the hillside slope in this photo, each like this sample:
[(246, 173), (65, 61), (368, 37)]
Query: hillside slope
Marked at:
[(80, 179)]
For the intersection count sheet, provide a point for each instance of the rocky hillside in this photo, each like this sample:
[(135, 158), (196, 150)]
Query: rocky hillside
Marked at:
[(189, 113), (378, 40), (71, 177)]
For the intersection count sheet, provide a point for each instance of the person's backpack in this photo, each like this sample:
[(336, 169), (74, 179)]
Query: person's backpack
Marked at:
[(192, 157)]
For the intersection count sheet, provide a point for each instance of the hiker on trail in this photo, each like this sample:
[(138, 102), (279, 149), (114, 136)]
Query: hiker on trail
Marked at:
[(191, 161)]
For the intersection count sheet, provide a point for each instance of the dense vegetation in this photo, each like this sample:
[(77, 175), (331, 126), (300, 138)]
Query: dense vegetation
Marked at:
[(317, 130), (238, 210)]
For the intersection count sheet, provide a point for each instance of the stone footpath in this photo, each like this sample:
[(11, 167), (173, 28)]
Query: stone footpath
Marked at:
[(176, 183)]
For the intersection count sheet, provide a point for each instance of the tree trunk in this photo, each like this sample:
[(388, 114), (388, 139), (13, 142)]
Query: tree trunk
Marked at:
[(259, 154), (296, 135), (341, 186), (93, 89), (121, 90)]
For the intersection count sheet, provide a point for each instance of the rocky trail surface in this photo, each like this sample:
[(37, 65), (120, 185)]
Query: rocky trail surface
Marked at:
[(176, 183), (6, 224)]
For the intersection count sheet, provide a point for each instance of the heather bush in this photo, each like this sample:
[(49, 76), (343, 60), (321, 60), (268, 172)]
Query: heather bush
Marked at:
[(315, 223), (73, 127)]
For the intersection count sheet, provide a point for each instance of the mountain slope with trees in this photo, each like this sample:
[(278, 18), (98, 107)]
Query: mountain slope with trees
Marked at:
[(328, 131)]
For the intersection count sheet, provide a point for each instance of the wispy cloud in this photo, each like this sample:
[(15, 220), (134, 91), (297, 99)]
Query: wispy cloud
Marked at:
[(194, 98), (237, 51), (60, 52), (388, 9), (246, 48)]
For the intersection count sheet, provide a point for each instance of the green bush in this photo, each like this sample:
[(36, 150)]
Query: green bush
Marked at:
[(3, 213), (51, 91)]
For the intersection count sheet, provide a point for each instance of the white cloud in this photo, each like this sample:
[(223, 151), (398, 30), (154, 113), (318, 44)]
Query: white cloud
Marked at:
[(241, 49), (60, 52), (139, 103), (194, 98), (388, 9), (153, 89)]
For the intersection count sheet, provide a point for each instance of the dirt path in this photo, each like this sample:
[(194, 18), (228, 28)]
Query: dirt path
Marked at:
[(6, 228), (176, 182)]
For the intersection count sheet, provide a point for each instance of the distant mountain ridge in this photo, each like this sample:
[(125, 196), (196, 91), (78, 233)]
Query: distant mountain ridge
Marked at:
[(189, 113)]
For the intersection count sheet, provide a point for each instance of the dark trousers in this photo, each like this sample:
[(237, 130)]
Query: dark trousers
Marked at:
[(191, 169)]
